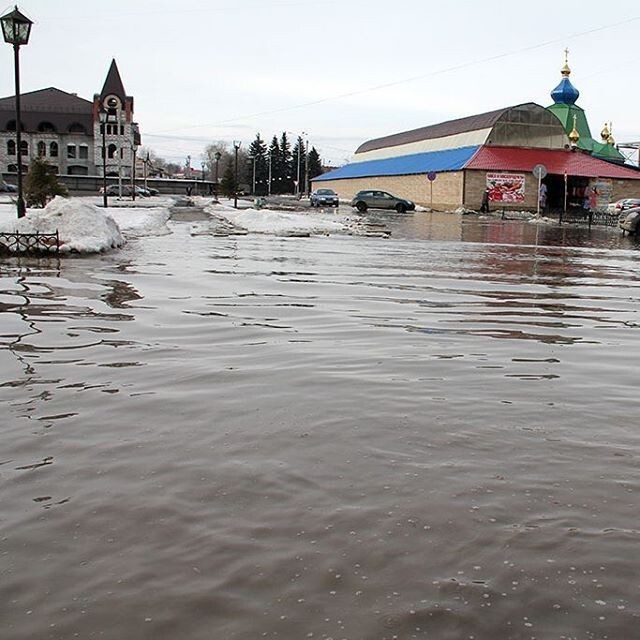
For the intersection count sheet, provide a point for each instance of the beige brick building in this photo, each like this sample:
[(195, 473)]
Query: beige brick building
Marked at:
[(455, 163)]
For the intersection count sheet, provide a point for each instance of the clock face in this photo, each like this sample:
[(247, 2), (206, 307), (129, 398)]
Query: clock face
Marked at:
[(112, 102)]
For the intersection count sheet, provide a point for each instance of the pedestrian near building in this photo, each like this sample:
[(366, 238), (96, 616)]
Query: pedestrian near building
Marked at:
[(542, 196), (484, 208), (593, 199)]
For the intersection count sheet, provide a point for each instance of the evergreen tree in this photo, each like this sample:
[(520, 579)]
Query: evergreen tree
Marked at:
[(276, 173), (315, 163), (41, 184), (258, 156), (228, 184), (285, 160)]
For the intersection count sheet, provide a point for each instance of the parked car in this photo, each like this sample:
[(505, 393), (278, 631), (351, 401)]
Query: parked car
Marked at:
[(152, 191), (364, 200), (622, 205), (629, 221), (323, 198), (5, 187), (114, 190)]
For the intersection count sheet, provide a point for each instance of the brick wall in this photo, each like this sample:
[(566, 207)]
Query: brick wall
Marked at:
[(476, 182), (447, 188)]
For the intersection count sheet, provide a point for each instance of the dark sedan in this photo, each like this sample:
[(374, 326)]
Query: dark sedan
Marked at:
[(370, 199), (324, 198)]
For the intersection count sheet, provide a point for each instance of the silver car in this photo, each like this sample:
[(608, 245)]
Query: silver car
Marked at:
[(629, 221), (324, 198), (373, 199)]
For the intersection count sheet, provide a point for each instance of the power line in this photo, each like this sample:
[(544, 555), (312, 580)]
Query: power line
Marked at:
[(395, 83)]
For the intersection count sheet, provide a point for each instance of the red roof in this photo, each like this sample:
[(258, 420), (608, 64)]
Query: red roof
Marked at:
[(558, 161)]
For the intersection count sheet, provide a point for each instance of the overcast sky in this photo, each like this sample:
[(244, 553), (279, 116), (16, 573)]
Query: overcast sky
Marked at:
[(343, 71)]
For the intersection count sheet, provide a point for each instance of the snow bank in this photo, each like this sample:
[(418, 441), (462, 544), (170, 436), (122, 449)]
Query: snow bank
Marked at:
[(142, 221), (277, 222), (82, 227)]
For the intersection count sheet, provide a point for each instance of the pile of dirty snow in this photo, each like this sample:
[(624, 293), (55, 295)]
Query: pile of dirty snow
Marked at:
[(278, 222), (82, 227)]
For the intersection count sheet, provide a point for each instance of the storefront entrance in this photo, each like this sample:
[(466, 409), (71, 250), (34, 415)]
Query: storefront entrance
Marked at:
[(577, 188)]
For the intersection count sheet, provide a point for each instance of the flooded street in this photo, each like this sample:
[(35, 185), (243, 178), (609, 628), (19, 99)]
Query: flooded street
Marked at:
[(432, 435)]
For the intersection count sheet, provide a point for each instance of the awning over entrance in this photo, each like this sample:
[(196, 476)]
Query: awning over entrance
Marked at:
[(558, 161)]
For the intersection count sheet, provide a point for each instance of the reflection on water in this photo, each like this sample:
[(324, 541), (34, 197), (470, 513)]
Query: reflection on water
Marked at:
[(427, 436)]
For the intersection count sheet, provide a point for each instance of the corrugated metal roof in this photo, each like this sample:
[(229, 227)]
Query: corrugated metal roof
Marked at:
[(447, 160), (440, 130), (558, 161)]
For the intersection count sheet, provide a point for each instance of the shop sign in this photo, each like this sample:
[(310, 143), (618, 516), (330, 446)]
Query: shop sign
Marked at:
[(505, 187)]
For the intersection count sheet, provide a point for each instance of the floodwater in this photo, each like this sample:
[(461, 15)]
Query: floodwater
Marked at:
[(433, 435)]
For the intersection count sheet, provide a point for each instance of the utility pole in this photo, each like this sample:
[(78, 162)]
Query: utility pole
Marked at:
[(119, 150), (306, 167), (269, 187), (236, 146)]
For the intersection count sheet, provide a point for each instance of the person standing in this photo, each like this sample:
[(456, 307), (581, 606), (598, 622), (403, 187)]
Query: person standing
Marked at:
[(542, 196), (593, 199), (484, 208)]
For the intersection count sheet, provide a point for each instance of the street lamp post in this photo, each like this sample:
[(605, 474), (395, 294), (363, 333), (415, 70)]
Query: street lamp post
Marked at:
[(269, 187), (217, 156), (16, 28), (102, 115), (202, 166), (236, 147), (306, 167)]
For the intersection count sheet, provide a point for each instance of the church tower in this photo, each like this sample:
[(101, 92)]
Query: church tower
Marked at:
[(113, 127), (574, 119)]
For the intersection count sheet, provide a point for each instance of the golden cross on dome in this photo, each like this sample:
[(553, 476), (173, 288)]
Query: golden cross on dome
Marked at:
[(565, 71)]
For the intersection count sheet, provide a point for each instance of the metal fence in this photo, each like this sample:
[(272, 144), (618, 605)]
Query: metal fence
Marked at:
[(35, 243)]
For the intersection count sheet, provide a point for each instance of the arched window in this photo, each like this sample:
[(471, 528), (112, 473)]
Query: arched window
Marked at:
[(76, 127), (42, 149), (11, 148), (111, 150), (11, 126), (24, 148), (53, 149), (46, 127), (13, 168)]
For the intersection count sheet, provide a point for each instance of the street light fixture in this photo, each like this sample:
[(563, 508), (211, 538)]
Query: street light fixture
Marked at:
[(217, 156), (102, 116), (16, 29), (236, 147)]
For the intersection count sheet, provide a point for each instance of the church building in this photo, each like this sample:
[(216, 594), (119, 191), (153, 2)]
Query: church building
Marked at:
[(65, 130), (451, 164)]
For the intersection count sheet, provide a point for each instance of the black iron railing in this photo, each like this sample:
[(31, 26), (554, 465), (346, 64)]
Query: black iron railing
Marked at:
[(30, 243)]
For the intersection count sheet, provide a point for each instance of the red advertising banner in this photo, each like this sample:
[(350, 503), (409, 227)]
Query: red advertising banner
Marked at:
[(505, 187)]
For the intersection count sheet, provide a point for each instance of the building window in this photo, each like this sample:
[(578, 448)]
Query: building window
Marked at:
[(42, 149), (111, 150), (76, 127), (121, 130), (53, 149), (11, 126), (83, 152), (11, 147), (24, 148), (71, 151), (46, 127)]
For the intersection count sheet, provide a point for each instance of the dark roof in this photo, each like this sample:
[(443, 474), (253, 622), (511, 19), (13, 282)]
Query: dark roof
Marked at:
[(440, 130), (113, 84), (444, 160), (50, 105), (47, 100)]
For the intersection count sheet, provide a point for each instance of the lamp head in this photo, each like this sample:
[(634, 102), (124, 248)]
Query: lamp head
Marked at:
[(16, 27)]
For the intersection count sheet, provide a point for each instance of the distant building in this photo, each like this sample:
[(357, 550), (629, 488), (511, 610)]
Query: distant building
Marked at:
[(65, 130), (451, 164)]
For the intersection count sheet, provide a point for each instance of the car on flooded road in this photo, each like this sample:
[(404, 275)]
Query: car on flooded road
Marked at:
[(324, 198), (374, 199), (629, 221)]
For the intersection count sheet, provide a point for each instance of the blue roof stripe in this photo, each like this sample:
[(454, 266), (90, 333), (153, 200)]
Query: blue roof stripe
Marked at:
[(445, 160)]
